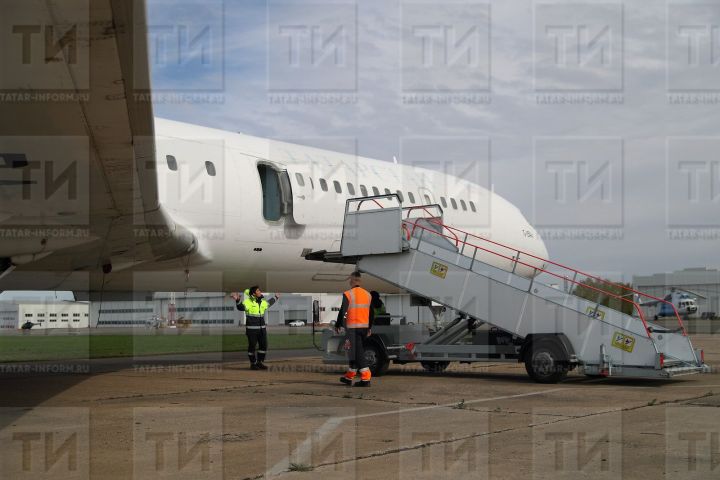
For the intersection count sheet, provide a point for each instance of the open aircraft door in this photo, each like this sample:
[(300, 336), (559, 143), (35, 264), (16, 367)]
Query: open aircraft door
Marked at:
[(303, 201), (277, 193)]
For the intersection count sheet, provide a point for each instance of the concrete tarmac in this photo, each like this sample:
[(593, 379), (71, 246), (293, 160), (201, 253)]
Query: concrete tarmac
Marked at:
[(201, 416)]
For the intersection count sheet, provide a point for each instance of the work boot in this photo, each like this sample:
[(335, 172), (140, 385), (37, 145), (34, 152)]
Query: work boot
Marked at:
[(254, 366), (262, 366), (363, 383), (346, 381)]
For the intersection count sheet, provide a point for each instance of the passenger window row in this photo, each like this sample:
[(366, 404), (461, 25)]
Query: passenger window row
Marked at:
[(364, 192), (210, 168)]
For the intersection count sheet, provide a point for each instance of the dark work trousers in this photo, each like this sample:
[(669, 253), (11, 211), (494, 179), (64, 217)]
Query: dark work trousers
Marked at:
[(356, 353), (257, 337)]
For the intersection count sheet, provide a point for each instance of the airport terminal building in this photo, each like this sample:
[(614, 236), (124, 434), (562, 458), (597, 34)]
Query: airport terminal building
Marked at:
[(701, 281)]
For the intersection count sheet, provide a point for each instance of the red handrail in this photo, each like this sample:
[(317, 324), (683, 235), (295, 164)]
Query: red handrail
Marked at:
[(433, 219), (539, 269), (602, 280)]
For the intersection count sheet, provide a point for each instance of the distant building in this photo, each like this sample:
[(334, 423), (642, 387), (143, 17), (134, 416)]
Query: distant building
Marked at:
[(703, 281), (43, 315), (165, 309), (193, 309), (8, 316)]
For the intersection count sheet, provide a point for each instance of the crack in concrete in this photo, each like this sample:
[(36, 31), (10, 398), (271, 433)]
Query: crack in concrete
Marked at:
[(499, 411), (348, 396), (199, 390), (496, 432)]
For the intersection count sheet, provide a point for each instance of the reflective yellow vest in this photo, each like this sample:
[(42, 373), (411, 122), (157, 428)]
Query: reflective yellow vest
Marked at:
[(252, 307)]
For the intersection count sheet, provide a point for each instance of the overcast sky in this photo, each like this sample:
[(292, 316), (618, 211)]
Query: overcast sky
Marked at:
[(602, 118)]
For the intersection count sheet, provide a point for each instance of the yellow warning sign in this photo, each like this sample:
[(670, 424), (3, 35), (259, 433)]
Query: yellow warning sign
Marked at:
[(623, 342), (599, 314), (439, 270)]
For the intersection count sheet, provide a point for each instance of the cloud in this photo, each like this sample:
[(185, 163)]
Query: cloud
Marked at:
[(376, 113)]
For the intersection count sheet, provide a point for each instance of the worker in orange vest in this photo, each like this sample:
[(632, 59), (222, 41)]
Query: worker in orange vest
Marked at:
[(357, 317)]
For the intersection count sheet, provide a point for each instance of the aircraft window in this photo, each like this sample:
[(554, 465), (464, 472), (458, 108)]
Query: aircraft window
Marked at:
[(427, 199), (351, 188), (472, 206), (171, 163), (300, 179), (400, 196), (376, 191), (453, 203), (323, 184), (463, 205), (411, 197), (338, 188), (312, 185), (387, 191), (363, 191), (210, 168), (443, 201)]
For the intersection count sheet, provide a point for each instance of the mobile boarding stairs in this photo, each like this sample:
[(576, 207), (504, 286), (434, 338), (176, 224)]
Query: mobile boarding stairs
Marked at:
[(548, 326)]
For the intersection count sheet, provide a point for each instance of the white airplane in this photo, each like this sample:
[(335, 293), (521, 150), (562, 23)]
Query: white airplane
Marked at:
[(98, 195)]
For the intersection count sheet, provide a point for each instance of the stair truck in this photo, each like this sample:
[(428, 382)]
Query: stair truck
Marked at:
[(502, 316)]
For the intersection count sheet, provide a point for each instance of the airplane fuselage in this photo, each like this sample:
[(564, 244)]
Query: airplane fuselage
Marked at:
[(258, 205)]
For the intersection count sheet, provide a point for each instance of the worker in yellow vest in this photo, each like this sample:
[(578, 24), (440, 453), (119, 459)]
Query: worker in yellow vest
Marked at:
[(356, 317), (254, 306)]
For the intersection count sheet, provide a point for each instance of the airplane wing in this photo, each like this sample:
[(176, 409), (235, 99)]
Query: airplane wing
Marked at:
[(78, 187)]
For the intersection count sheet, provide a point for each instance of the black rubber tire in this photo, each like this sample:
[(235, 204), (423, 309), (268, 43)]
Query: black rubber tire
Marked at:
[(376, 359), (435, 367), (544, 362)]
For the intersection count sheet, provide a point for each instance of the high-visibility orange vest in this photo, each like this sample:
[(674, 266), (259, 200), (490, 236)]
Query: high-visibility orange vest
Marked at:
[(358, 312)]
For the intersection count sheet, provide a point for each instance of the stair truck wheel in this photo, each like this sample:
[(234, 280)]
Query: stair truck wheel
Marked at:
[(435, 367), (545, 361), (376, 359)]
